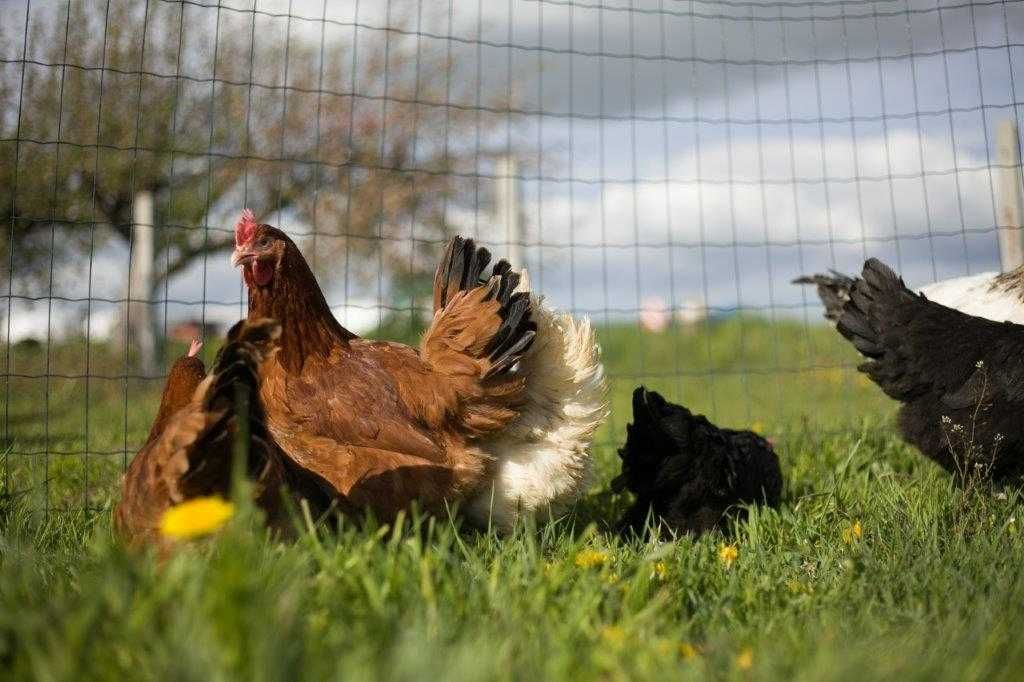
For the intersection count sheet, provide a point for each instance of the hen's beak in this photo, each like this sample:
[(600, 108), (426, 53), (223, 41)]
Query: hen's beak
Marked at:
[(242, 255)]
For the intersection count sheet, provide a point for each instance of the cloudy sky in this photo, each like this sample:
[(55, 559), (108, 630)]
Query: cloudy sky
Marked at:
[(715, 150)]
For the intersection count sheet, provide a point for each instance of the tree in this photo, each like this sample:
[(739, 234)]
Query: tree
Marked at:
[(209, 109)]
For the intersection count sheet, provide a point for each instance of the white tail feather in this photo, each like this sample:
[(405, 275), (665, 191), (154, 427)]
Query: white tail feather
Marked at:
[(543, 458)]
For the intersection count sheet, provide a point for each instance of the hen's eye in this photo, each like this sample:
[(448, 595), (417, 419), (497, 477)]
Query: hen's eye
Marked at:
[(264, 242)]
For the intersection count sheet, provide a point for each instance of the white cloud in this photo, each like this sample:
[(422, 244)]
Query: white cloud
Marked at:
[(608, 251), (739, 206)]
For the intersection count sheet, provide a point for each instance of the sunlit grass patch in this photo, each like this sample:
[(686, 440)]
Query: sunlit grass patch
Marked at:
[(876, 566)]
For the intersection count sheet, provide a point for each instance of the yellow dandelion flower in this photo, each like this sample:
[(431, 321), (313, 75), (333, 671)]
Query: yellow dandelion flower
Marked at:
[(591, 558), (660, 571), (852, 533), (613, 634), (727, 554), (757, 427), (201, 516), (688, 651), (745, 659)]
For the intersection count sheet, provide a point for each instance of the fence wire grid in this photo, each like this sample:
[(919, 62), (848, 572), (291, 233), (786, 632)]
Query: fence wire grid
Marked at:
[(665, 167)]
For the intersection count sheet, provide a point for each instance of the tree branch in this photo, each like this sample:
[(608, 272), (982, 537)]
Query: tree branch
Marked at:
[(186, 256)]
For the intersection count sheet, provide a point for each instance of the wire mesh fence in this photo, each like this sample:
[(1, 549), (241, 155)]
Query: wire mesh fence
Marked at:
[(665, 167)]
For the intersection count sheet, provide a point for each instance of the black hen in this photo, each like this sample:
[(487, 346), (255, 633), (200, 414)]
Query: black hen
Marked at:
[(686, 472), (960, 378)]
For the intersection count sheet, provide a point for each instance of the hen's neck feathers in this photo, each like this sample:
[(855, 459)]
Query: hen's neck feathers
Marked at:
[(294, 298)]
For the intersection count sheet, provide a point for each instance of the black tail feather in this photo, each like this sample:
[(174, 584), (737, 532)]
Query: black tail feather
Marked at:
[(462, 268), (882, 321), (945, 367), (833, 290), (859, 322)]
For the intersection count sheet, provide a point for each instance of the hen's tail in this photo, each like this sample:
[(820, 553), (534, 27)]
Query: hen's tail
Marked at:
[(543, 458), (894, 328), (481, 329), (833, 290), (460, 288)]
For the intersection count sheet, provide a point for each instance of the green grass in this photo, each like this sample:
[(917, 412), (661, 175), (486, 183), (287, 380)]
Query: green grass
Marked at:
[(932, 590)]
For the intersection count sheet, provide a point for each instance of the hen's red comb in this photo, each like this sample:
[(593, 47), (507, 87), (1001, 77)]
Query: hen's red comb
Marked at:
[(245, 227), (194, 348)]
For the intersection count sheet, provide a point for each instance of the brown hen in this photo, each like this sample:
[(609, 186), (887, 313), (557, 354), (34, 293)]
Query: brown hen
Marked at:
[(189, 452), (474, 414)]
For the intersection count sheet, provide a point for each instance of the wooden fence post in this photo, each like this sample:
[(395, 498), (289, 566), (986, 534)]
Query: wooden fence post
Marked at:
[(506, 207), (1008, 196), (140, 288)]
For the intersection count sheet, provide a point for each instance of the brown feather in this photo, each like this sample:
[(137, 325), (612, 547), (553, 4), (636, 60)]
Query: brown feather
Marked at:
[(191, 453), (455, 347), (182, 380)]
